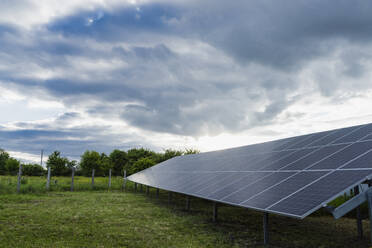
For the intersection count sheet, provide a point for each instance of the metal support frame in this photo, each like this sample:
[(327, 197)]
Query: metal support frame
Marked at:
[(266, 228), (147, 190), (353, 203), (349, 205), (135, 187), (215, 211), (157, 193), (169, 197), (141, 188), (187, 203)]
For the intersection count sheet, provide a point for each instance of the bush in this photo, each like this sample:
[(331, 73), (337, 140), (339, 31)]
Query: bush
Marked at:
[(12, 166), (141, 164), (33, 170)]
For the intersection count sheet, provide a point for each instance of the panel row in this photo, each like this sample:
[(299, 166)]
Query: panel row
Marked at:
[(289, 193)]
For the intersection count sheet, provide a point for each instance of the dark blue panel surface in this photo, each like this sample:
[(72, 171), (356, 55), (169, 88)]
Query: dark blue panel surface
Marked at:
[(248, 179), (340, 158), (356, 135), (246, 192), (312, 197), (217, 184), (334, 135), (208, 178), (308, 142), (270, 158), (286, 161), (365, 161), (314, 157), (289, 186)]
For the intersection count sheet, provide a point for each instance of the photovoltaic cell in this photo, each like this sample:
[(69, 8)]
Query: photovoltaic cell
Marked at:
[(356, 135), (365, 161), (250, 190), (332, 137), (247, 179), (343, 156), (296, 155), (312, 197), (292, 176), (275, 194), (314, 157)]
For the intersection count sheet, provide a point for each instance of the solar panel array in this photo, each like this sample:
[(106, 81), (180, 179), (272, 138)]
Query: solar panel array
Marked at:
[(293, 176)]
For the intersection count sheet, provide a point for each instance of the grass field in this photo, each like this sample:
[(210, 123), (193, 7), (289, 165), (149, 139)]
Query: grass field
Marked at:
[(8, 184), (103, 218)]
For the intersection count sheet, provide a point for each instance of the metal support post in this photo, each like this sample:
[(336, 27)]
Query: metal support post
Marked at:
[(266, 228), (147, 190), (135, 187), (215, 211), (157, 193), (169, 197), (141, 188), (358, 216), (187, 203)]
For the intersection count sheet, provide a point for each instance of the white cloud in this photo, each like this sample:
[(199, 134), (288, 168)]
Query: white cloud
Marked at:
[(179, 75)]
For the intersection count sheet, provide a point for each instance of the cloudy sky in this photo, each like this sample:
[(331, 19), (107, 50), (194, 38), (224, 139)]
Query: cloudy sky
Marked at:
[(106, 74)]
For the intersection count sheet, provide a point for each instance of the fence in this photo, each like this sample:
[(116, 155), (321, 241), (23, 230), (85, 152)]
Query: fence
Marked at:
[(24, 184)]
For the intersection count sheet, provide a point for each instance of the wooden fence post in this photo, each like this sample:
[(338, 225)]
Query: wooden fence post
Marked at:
[(19, 178), (48, 179), (72, 178), (93, 178), (124, 180), (109, 185)]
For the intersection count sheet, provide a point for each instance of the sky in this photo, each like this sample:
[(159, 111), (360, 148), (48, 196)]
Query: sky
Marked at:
[(109, 74)]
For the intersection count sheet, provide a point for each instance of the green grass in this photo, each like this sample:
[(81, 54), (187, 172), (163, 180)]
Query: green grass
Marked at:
[(114, 218), (8, 184)]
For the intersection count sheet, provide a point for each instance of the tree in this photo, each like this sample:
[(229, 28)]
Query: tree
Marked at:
[(33, 170), (191, 151), (90, 160), (141, 164), (137, 153), (105, 164), (119, 161), (58, 164), (4, 156), (12, 166)]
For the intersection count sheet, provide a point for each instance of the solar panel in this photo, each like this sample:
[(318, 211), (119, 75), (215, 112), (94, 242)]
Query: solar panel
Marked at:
[(293, 176)]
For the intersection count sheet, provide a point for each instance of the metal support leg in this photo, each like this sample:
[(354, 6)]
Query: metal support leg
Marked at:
[(148, 190), (266, 228), (215, 211), (157, 193), (141, 188), (135, 187), (187, 203), (169, 197), (358, 217)]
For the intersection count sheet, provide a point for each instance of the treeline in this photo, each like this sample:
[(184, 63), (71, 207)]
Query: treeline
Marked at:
[(118, 161)]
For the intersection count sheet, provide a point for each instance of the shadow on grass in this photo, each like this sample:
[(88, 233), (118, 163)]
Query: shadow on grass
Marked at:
[(244, 227)]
